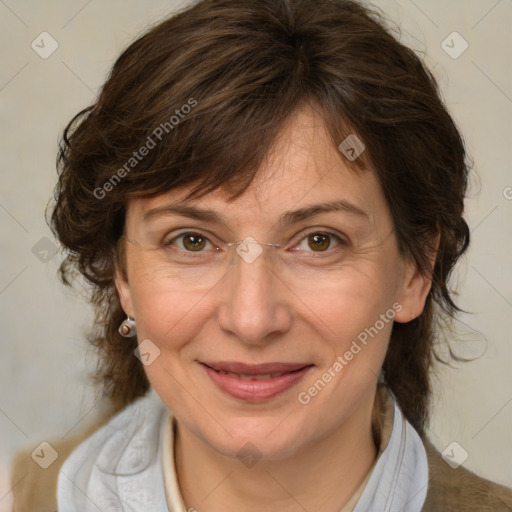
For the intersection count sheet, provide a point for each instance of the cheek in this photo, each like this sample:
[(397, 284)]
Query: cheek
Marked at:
[(170, 318), (165, 313), (354, 316), (347, 301)]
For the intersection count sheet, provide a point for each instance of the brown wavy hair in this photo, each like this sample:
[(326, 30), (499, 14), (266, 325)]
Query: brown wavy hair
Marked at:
[(246, 66)]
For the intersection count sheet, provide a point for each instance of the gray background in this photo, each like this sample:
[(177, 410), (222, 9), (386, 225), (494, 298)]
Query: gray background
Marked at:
[(44, 391)]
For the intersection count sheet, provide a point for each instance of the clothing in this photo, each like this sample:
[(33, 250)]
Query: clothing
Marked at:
[(35, 489), (121, 467)]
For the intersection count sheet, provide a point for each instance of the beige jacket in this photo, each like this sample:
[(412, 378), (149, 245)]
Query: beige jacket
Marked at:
[(35, 489)]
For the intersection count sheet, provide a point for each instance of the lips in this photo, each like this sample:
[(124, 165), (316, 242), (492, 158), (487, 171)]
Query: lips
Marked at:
[(261, 376), (255, 382), (254, 369)]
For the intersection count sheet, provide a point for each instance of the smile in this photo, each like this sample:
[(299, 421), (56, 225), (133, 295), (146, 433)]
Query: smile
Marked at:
[(263, 376), (255, 383)]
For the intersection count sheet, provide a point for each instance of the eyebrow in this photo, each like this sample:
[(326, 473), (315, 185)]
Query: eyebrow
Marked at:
[(289, 217)]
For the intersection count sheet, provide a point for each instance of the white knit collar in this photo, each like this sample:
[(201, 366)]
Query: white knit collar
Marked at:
[(399, 479)]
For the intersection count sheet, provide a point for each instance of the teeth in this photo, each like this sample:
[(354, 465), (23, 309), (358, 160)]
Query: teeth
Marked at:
[(263, 376)]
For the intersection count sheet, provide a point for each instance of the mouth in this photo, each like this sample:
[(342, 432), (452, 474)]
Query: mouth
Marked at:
[(255, 383)]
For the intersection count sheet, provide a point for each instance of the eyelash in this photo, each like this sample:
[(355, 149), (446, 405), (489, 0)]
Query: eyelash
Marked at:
[(194, 254)]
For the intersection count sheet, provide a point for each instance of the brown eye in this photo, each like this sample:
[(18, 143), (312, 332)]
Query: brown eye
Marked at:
[(319, 242), (193, 241)]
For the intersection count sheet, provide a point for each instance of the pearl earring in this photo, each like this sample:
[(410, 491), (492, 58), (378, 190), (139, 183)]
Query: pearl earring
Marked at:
[(128, 328)]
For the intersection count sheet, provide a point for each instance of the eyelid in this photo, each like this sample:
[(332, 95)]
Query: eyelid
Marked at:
[(167, 239), (341, 241), (321, 231)]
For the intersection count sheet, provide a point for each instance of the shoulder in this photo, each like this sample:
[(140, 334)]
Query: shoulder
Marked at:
[(124, 455), (34, 487), (113, 444), (453, 490)]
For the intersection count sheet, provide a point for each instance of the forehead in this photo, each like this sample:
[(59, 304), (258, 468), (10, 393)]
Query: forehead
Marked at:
[(304, 167)]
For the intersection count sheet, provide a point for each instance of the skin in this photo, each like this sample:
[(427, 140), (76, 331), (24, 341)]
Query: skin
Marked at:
[(314, 456)]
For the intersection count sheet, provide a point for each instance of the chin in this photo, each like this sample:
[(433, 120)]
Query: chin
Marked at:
[(269, 438), (254, 449)]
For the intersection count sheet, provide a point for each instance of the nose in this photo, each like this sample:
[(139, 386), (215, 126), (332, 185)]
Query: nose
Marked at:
[(255, 303)]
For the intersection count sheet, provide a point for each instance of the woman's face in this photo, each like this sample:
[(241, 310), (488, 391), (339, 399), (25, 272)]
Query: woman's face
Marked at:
[(319, 308)]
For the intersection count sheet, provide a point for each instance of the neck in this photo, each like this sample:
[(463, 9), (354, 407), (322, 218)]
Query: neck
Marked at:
[(320, 477)]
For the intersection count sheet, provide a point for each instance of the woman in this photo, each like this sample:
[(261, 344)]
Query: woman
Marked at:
[(267, 198)]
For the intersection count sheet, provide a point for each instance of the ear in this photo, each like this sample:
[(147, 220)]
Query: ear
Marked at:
[(122, 284), (416, 286)]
